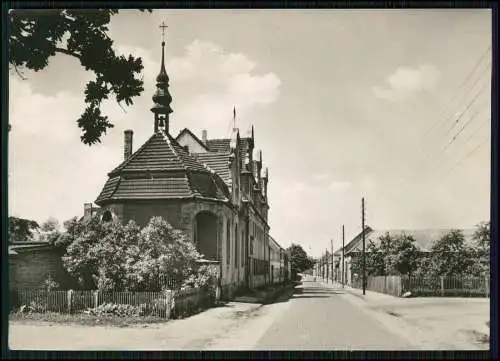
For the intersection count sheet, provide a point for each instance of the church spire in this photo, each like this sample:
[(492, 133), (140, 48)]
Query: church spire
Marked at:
[(162, 97)]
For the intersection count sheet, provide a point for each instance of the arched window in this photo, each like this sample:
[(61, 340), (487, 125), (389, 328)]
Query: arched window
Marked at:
[(107, 216)]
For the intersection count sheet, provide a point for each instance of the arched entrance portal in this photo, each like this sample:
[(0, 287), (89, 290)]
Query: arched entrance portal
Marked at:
[(206, 234)]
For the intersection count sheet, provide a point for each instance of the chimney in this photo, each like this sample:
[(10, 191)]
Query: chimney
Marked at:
[(204, 136), (87, 211), (127, 146)]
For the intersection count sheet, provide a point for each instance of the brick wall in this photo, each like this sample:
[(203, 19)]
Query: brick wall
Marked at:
[(31, 268)]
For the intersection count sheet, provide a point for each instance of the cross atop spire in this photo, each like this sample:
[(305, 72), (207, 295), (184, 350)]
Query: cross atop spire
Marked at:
[(162, 97), (163, 27)]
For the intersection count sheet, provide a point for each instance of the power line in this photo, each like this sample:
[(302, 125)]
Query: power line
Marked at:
[(460, 115), (468, 154), (439, 165), (461, 86), (468, 106), (428, 153), (477, 130), (429, 146), (405, 186), (462, 129)]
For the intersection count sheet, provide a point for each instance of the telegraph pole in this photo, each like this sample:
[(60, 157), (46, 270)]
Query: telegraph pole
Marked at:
[(331, 248), (326, 265), (363, 230), (343, 241)]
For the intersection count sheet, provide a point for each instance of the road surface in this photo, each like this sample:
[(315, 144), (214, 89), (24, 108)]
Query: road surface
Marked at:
[(310, 317)]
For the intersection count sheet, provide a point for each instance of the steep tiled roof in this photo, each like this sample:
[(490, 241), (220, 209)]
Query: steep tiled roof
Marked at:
[(219, 145), (160, 152), (223, 145), (352, 243), (162, 169), (217, 161)]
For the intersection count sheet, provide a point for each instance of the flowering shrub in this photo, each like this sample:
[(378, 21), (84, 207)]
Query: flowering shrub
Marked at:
[(112, 309), (111, 256), (35, 306), (50, 284), (205, 276)]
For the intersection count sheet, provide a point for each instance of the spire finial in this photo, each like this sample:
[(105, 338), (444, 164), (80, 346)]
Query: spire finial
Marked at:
[(163, 27), (162, 97), (234, 117)]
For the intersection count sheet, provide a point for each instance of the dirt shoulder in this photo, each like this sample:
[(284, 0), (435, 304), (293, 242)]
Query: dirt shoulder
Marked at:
[(439, 323)]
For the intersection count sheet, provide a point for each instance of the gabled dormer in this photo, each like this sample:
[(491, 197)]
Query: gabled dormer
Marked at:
[(191, 143)]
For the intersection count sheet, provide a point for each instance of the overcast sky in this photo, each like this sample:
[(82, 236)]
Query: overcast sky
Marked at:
[(345, 104)]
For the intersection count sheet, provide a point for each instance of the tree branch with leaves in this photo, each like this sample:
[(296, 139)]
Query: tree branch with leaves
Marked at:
[(36, 36)]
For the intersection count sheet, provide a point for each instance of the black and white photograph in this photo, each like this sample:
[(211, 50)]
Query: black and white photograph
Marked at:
[(249, 179)]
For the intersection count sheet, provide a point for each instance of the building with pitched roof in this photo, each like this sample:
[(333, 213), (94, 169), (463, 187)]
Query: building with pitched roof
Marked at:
[(424, 240), (215, 190)]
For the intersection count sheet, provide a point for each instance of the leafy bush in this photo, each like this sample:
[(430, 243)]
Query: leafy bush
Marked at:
[(111, 256), (35, 306), (113, 309), (205, 276), (50, 284)]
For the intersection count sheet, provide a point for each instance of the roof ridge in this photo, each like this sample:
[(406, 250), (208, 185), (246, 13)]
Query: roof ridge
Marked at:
[(172, 148), (180, 153), (133, 156)]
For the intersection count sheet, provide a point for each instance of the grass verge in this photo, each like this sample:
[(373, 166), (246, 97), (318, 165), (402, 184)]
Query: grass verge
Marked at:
[(84, 319)]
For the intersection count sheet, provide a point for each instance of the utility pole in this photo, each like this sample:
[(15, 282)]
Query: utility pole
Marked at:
[(327, 264), (363, 233), (331, 249), (343, 262)]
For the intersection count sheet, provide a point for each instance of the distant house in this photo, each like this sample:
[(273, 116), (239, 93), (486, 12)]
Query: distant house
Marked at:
[(424, 240), (31, 263)]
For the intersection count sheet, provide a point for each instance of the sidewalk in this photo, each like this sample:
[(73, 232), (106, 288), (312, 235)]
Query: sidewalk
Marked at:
[(196, 332), (192, 333), (434, 322)]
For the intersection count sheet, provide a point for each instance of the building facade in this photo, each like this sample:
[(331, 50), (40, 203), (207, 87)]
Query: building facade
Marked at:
[(215, 190)]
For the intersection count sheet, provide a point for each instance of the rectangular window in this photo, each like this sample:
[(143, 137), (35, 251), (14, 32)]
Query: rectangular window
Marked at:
[(236, 245), (243, 247)]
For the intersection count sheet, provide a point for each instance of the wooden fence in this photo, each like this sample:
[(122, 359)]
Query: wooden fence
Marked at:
[(454, 286), (165, 304)]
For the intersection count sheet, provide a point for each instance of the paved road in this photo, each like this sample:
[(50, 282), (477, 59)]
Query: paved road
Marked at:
[(324, 318), (315, 317)]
